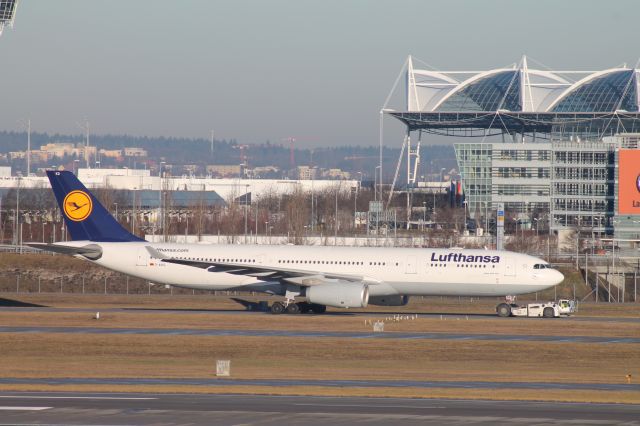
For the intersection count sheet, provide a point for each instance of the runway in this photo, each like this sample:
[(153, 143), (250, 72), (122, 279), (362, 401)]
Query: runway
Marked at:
[(9, 306), (323, 383), (146, 409), (320, 334)]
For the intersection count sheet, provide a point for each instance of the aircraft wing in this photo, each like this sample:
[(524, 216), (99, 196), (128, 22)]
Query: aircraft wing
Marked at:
[(303, 278)]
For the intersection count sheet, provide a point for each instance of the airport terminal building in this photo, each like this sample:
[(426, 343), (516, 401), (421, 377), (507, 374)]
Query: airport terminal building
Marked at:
[(560, 149)]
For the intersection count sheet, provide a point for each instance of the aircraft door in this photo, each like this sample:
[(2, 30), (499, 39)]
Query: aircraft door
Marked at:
[(510, 267), (411, 265)]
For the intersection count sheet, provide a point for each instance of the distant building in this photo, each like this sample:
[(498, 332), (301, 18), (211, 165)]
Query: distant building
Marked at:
[(336, 174), (566, 185), (515, 174), (64, 149), (263, 172), (111, 153), (307, 173), (17, 155), (135, 152), (59, 149), (190, 168), (225, 170)]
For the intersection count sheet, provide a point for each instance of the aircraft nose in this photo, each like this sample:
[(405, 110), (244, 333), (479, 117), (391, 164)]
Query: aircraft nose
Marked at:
[(556, 276)]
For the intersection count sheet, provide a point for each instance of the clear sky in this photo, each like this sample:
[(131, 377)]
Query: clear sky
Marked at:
[(265, 70)]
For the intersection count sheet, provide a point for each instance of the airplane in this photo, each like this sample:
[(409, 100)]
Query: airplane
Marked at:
[(339, 277)]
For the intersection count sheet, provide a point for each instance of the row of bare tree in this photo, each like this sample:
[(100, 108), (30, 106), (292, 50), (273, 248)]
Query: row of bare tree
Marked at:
[(297, 214)]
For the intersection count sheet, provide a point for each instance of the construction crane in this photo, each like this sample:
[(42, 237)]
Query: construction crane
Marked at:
[(292, 140), (243, 153)]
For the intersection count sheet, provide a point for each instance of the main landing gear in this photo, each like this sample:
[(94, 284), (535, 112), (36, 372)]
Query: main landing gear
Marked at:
[(297, 308)]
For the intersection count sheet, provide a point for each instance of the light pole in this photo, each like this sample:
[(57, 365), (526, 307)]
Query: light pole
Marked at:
[(424, 214), (335, 222), (355, 199), (161, 194), (465, 202), (434, 205), (133, 211), (246, 197), (375, 184), (17, 221), (536, 220), (212, 133)]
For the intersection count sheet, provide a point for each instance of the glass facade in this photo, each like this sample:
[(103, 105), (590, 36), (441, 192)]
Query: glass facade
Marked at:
[(517, 175), (607, 93), (474, 162), (582, 192), (572, 182), (7, 8), (496, 91)]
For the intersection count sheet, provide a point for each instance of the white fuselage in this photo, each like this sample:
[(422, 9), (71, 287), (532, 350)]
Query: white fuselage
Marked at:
[(387, 271)]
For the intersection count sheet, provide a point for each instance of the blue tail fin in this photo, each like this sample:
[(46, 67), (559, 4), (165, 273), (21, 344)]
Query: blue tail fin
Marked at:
[(85, 217)]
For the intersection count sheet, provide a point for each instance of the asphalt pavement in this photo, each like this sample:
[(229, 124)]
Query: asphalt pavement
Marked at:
[(197, 409), (213, 382), (320, 334)]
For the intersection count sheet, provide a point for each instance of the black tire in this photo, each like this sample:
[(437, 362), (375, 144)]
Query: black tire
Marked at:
[(503, 310), (548, 313), (304, 307), (293, 309), (277, 308), (318, 309)]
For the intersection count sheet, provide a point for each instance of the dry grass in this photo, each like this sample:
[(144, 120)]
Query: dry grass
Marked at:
[(603, 397), (459, 324), (89, 355)]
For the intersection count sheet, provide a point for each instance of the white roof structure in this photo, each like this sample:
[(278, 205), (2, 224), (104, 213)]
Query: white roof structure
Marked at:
[(141, 180), (519, 88)]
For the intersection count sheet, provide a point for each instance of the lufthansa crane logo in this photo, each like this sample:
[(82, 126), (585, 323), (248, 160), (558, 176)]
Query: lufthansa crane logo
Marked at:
[(77, 205)]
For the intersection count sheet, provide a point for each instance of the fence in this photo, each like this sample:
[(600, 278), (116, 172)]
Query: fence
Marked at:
[(112, 284)]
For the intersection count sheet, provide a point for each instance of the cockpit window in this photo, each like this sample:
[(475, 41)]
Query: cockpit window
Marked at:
[(542, 266)]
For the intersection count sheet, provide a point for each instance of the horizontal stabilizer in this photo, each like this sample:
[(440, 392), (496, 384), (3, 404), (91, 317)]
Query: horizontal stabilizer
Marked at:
[(90, 251)]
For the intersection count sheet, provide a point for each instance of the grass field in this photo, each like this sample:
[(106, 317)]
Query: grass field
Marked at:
[(87, 355)]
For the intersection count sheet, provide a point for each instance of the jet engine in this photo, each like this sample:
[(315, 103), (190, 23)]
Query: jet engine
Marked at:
[(395, 300), (339, 295)]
